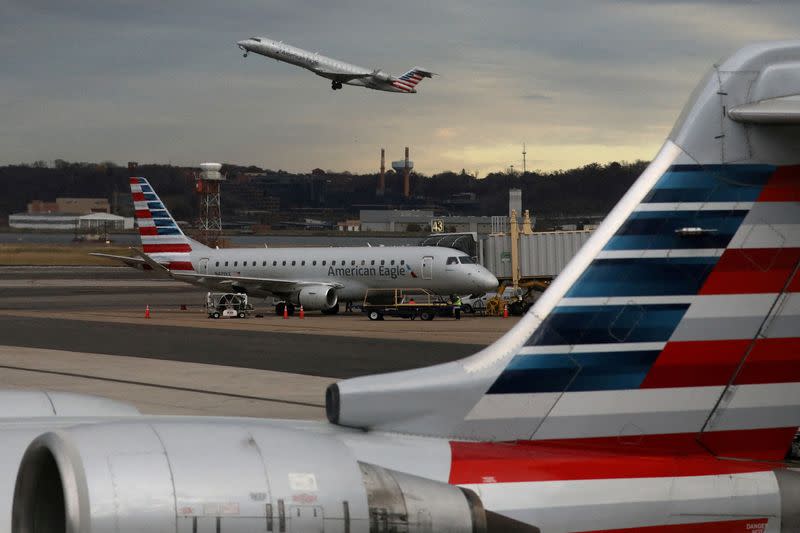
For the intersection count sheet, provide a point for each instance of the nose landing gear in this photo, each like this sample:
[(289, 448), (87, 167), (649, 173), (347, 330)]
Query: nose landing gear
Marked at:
[(336, 85)]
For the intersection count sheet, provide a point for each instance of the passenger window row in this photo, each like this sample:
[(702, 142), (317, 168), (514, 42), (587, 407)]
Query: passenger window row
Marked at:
[(314, 263)]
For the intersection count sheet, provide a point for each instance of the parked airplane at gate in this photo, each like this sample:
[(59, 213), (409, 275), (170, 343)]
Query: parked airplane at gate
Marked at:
[(316, 278), (653, 388), (337, 71)]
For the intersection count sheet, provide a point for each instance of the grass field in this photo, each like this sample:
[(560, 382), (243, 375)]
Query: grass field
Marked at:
[(76, 254)]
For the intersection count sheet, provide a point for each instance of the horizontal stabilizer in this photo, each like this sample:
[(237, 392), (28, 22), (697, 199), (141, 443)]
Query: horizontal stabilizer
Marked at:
[(785, 111), (134, 262)]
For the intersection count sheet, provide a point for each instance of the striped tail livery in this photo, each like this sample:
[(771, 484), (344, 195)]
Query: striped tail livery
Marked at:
[(162, 238), (665, 358), (408, 81)]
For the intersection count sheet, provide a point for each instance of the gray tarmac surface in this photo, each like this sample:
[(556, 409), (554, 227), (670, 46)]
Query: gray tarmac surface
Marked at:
[(315, 355)]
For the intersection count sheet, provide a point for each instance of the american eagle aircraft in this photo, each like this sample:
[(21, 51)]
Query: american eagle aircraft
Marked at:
[(653, 388), (317, 278), (337, 71)]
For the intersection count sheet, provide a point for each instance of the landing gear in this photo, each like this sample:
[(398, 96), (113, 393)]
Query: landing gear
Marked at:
[(336, 85)]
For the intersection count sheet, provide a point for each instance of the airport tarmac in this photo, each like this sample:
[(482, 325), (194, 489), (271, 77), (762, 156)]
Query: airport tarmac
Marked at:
[(84, 330)]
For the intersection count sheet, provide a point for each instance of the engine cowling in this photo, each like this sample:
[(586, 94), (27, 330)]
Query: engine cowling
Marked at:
[(188, 476), (381, 75), (316, 297)]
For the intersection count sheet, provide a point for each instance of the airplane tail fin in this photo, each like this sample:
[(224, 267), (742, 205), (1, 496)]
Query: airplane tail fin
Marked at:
[(679, 319), (410, 79), (162, 238)]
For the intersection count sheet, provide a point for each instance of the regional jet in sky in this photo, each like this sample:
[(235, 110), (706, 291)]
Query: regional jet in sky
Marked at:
[(339, 72), (653, 388), (317, 278)]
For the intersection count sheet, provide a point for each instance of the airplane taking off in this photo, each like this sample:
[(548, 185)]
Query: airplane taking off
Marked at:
[(653, 388), (316, 278), (337, 71)]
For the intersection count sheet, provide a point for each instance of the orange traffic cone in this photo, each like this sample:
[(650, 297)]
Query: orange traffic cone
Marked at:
[(147, 311), (302, 313), (285, 311), (505, 311)]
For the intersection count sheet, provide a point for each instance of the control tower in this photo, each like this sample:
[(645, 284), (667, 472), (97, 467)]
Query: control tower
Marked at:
[(207, 186)]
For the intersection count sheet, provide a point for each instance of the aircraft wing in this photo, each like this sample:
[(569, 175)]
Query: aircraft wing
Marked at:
[(276, 286), (341, 76)]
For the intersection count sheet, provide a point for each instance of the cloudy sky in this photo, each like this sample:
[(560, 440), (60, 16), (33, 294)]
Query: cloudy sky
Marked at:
[(163, 81)]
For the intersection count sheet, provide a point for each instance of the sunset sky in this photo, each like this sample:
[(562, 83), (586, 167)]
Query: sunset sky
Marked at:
[(163, 81)]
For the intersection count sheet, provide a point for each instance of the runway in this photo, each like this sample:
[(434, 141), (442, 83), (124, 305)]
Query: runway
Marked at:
[(83, 330)]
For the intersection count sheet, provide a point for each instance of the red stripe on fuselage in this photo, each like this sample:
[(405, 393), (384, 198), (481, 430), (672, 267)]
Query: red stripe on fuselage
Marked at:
[(160, 248), (617, 457), (748, 525), (783, 186), (143, 213), (752, 271), (180, 265)]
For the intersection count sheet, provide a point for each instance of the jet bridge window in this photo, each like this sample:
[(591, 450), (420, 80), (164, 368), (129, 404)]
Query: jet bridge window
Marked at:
[(466, 260), (452, 261)]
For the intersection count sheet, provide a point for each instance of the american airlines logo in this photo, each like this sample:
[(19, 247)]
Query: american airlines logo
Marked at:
[(393, 272)]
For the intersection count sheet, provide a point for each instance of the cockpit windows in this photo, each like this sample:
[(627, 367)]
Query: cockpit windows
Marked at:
[(466, 260), (255, 39), (452, 260)]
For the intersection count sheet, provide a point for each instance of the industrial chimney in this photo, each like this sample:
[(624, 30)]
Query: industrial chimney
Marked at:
[(406, 182), (382, 179)]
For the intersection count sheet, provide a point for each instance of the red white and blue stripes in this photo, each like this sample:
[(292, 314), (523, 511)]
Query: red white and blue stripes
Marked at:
[(162, 239), (687, 320), (408, 81)]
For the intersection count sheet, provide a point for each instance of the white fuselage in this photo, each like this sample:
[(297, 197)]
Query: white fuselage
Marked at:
[(327, 67), (353, 269)]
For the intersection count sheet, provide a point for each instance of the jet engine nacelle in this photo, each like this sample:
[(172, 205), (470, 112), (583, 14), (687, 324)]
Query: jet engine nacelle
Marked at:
[(317, 297), (381, 75), (167, 476)]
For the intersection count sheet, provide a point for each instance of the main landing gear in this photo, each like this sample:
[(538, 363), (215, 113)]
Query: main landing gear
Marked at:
[(336, 85)]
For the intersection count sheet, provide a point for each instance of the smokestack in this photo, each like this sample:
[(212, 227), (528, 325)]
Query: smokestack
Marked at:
[(382, 180), (406, 183), (132, 165)]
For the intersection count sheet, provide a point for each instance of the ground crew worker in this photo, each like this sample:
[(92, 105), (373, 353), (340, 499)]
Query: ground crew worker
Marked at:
[(457, 307)]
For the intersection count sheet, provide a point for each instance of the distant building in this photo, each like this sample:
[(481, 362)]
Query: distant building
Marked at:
[(420, 219), (349, 225), (71, 206), (91, 223)]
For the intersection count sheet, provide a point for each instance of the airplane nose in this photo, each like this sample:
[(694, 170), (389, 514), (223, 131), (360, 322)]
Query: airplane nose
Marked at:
[(242, 44), (485, 280)]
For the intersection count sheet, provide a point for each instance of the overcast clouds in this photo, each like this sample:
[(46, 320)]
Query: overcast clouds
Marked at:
[(162, 80)]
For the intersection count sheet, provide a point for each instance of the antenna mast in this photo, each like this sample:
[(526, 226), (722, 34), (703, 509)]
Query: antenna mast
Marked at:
[(524, 161)]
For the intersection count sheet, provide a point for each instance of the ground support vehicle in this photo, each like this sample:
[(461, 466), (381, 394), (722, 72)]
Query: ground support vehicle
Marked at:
[(403, 303), (227, 305)]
